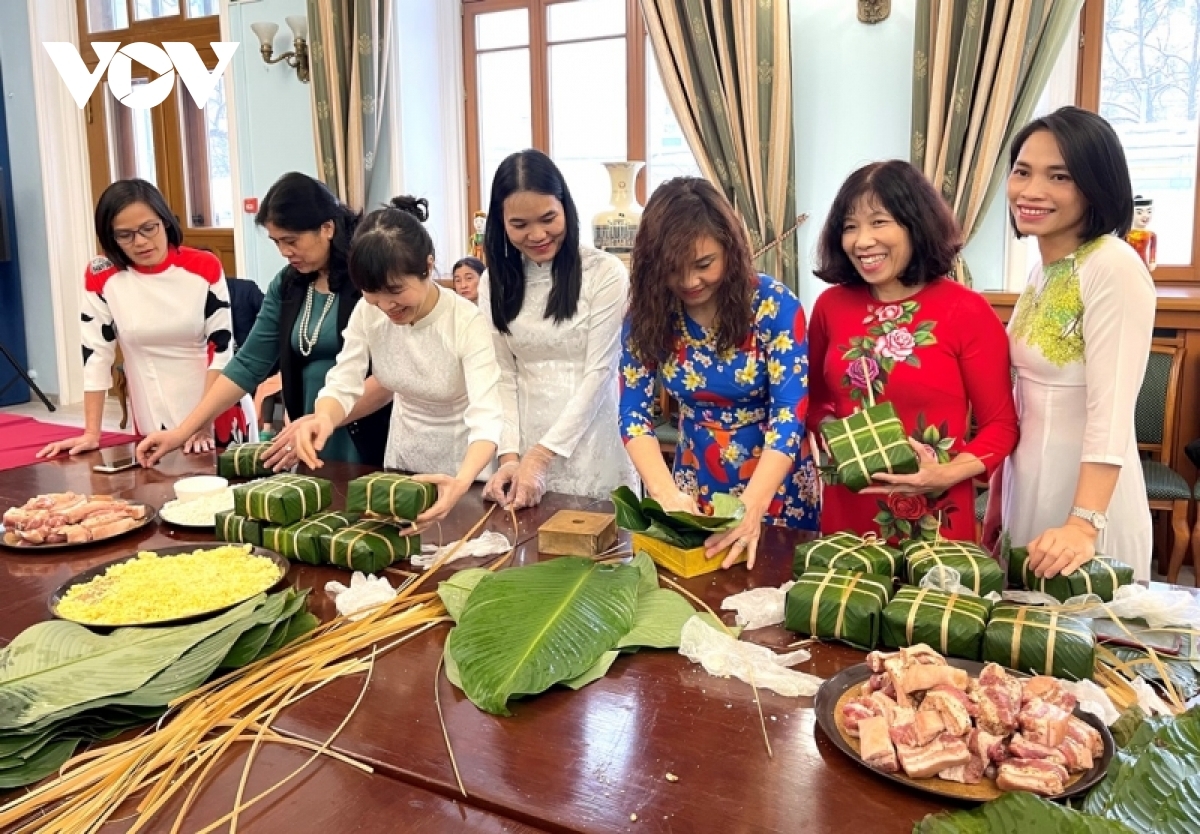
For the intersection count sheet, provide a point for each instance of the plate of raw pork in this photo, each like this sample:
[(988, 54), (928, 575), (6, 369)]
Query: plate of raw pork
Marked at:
[(963, 729), (69, 519)]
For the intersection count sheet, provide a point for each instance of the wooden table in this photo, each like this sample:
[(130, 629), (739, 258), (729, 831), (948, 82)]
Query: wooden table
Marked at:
[(586, 761)]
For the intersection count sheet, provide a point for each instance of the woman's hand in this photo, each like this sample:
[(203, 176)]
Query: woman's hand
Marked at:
[(157, 444), (1062, 550), (86, 442), (677, 501), (309, 438), (201, 441), (450, 491), (282, 454), (529, 485), (499, 485), (741, 539), (931, 478)]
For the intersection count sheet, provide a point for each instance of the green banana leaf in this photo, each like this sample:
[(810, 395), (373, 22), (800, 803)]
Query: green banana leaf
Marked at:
[(647, 572), (250, 642), (597, 670), (455, 590), (950, 623), (51, 758), (529, 628), (658, 621), (1182, 673), (628, 510), (1018, 813), (1127, 725), (680, 529), (390, 495), (53, 665)]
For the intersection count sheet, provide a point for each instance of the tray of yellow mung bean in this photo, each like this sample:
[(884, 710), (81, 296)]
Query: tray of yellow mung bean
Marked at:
[(170, 585)]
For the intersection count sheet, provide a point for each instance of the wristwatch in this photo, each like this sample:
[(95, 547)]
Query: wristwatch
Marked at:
[(1096, 519)]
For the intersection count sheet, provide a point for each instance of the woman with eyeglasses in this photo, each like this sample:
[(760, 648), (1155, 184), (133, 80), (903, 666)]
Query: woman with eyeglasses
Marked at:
[(166, 304), (299, 330)]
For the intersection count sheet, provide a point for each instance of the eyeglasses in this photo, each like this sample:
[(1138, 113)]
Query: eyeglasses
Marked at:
[(146, 231)]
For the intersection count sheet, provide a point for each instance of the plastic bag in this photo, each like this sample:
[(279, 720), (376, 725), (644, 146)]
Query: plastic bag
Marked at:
[(723, 655), (1093, 699), (949, 580), (758, 607), (487, 544), (364, 595)]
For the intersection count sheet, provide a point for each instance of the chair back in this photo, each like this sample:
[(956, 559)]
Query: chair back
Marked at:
[(1158, 401)]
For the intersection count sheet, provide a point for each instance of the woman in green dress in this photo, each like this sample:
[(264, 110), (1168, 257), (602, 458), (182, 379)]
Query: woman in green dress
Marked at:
[(299, 329)]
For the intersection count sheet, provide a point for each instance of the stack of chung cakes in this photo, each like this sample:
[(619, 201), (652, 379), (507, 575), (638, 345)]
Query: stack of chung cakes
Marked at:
[(243, 461), (976, 567), (847, 551), (271, 502), (838, 605), (869, 442), (951, 623), (390, 495), (1040, 642), (1100, 576), (303, 541), (369, 546)]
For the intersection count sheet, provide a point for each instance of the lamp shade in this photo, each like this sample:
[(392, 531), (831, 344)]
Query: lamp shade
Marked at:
[(299, 25), (265, 32)]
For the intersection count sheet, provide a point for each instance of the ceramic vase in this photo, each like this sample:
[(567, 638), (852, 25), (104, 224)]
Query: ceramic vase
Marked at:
[(614, 229)]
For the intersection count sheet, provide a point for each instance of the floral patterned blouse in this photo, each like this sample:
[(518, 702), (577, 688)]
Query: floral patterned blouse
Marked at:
[(938, 357), (733, 404)]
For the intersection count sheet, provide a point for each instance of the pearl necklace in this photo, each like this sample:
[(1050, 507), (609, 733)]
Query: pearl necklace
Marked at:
[(307, 343)]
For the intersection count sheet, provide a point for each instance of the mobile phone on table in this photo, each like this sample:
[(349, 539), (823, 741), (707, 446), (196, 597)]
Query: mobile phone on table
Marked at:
[(110, 467)]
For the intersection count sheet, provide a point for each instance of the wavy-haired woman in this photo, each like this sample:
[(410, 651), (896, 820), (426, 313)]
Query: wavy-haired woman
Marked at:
[(556, 310), (299, 327), (432, 355), (893, 326), (729, 346)]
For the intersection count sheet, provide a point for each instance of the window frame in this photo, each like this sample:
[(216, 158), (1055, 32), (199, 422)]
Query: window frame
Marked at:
[(1091, 53), (539, 58)]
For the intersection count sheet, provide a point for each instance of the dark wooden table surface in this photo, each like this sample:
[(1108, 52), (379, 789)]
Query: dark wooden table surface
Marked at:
[(589, 761)]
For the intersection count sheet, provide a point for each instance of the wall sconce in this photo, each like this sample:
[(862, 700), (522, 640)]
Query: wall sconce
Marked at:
[(298, 57)]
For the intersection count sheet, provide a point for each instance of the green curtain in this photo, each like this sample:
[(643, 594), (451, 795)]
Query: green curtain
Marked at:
[(979, 69), (349, 46), (726, 68)]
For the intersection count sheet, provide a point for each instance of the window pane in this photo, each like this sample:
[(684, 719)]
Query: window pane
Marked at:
[(585, 19), (106, 15), (206, 160), (505, 123), (667, 151), (498, 30), (201, 8), (1150, 91), (588, 121), (130, 139), (150, 9)]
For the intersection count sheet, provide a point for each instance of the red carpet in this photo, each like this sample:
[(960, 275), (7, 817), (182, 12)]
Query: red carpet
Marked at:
[(23, 437)]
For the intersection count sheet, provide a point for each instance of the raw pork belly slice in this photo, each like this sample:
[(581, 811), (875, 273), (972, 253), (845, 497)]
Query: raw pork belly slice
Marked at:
[(1043, 723), (1020, 747), (999, 698), (875, 745), (1049, 690), (951, 704), (1034, 775), (944, 753), (1087, 735)]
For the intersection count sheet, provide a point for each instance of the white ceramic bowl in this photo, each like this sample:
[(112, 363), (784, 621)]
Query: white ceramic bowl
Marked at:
[(189, 489)]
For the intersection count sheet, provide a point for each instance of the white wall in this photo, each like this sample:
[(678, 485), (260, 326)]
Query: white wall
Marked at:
[(274, 123), (17, 61)]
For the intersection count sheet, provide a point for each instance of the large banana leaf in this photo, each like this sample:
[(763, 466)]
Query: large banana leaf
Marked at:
[(455, 590), (629, 510), (528, 628), (53, 665), (677, 528), (1018, 813)]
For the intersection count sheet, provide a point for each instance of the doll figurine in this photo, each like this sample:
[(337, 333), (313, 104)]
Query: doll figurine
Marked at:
[(478, 222), (1144, 241)]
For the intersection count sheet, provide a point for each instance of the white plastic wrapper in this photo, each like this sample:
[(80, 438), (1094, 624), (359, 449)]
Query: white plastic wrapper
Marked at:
[(365, 594), (1093, 699), (1159, 607), (1031, 598), (949, 581), (758, 607), (1148, 699), (723, 655), (487, 544)]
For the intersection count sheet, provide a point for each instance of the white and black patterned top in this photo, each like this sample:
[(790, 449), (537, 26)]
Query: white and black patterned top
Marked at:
[(173, 324)]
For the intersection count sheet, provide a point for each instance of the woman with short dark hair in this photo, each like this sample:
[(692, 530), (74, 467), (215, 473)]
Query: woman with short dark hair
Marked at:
[(556, 310), (299, 327), (729, 346), (896, 328), (466, 273), (166, 304), (1080, 337)]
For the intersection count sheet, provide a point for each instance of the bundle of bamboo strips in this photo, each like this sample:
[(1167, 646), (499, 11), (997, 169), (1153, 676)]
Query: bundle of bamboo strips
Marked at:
[(238, 708)]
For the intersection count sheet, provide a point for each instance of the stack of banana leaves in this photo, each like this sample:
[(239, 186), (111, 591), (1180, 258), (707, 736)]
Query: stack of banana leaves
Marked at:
[(1152, 787), (523, 630), (683, 530), (62, 685)]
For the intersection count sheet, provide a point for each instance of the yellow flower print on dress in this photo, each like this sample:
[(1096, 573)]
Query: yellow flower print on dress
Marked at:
[(782, 342), (669, 369), (692, 380), (770, 437), (783, 415), (774, 371), (747, 373), (633, 374), (1051, 319), (768, 308), (638, 431)]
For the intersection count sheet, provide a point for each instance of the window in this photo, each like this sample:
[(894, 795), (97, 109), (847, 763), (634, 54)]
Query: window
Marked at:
[(576, 79), (182, 149), (1140, 69)]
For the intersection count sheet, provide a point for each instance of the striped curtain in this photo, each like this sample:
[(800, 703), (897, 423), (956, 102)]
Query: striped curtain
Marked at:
[(726, 67), (979, 69), (349, 46)]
